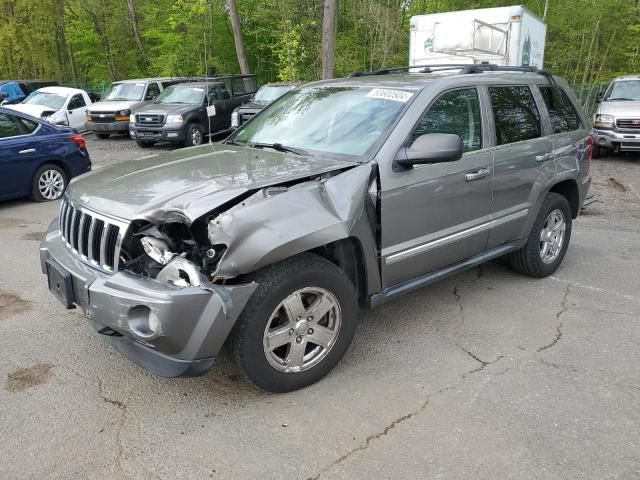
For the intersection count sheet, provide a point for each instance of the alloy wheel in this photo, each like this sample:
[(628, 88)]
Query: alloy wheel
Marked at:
[(51, 184), (302, 330), (552, 236)]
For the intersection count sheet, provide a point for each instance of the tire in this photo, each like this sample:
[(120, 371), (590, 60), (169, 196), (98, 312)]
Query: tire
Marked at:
[(49, 183), (195, 136), (315, 279), (102, 136), (143, 144), (532, 259), (596, 151)]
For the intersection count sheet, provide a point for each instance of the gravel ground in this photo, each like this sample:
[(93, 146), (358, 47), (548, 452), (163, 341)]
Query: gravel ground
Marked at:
[(485, 375)]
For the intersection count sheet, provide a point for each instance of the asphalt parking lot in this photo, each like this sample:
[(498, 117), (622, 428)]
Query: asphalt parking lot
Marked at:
[(487, 375)]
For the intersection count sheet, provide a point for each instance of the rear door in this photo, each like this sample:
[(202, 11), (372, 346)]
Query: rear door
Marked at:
[(20, 153), (523, 157), (435, 215), (569, 133)]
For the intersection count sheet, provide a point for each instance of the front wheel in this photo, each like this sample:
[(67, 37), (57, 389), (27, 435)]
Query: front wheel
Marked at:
[(548, 241), (194, 135), (49, 183), (297, 325)]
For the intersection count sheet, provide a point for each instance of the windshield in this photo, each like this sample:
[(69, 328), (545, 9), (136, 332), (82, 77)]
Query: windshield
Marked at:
[(625, 90), (181, 94), (125, 91), (338, 119), (51, 100), (270, 93)]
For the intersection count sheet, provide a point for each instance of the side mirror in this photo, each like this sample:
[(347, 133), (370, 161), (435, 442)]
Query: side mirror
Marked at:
[(599, 97), (431, 148)]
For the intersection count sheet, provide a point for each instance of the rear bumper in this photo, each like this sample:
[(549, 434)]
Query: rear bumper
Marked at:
[(617, 140), (157, 134), (108, 127), (193, 322)]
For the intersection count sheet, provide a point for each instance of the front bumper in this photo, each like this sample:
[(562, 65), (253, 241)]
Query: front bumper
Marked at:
[(108, 127), (194, 321), (157, 134), (617, 140)]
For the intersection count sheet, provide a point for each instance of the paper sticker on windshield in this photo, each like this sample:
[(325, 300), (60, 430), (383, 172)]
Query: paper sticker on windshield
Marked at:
[(211, 111), (386, 94), (198, 89), (139, 84)]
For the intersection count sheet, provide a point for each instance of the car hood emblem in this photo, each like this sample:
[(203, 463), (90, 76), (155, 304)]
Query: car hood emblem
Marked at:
[(84, 198)]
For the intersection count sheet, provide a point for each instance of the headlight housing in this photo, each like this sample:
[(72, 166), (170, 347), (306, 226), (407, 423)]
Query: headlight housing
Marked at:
[(603, 121), (235, 120), (123, 115), (157, 249), (175, 119)]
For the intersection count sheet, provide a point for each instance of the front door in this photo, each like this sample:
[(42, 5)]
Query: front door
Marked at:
[(76, 112), (522, 159), (438, 214)]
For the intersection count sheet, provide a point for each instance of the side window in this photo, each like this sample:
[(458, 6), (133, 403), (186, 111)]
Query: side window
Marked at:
[(153, 90), (564, 117), (224, 93), (456, 112), (27, 125), (9, 126), (76, 102), (515, 114), (214, 96)]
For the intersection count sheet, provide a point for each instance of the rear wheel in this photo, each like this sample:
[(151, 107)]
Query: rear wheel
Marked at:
[(49, 183), (194, 135), (102, 135), (297, 325), (548, 241)]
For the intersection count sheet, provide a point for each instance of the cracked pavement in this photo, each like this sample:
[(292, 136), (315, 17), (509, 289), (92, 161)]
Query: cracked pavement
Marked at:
[(488, 374)]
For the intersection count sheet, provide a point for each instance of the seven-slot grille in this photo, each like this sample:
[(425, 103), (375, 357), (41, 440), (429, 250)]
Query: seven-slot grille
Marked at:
[(628, 123), (150, 119), (245, 117), (94, 238)]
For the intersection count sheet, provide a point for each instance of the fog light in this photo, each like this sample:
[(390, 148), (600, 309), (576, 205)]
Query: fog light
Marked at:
[(154, 322), (172, 134), (602, 141)]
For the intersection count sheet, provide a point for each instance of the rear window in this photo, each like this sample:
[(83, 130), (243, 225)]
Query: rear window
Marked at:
[(562, 113), (515, 114)]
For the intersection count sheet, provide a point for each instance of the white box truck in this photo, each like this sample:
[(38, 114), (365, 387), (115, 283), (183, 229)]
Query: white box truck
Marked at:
[(505, 36)]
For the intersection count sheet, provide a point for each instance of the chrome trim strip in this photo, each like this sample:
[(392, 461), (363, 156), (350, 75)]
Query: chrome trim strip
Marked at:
[(425, 247)]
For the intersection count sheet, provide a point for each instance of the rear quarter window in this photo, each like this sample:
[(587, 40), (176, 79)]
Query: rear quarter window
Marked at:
[(515, 114), (562, 113)]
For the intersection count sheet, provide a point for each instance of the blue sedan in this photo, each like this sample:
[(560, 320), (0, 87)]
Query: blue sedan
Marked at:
[(38, 159)]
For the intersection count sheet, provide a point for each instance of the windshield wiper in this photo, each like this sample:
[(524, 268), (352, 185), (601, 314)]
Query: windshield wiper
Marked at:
[(233, 142), (622, 99), (280, 148)]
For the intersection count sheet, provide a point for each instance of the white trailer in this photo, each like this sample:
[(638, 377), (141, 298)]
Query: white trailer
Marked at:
[(505, 36)]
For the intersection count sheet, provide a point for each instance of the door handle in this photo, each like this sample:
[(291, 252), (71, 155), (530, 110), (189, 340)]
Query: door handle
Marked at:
[(477, 175), (28, 150), (544, 158)]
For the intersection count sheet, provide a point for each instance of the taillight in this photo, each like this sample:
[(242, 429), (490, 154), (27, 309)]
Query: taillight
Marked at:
[(78, 140)]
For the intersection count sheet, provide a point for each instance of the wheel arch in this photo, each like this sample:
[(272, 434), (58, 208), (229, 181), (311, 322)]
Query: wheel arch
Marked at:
[(569, 189)]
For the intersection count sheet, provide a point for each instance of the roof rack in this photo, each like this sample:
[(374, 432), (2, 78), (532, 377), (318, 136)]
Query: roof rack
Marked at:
[(465, 68)]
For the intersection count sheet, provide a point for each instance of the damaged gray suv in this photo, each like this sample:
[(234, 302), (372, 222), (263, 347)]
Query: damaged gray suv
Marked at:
[(342, 194)]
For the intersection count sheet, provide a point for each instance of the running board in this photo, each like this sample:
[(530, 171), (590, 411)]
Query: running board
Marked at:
[(433, 277)]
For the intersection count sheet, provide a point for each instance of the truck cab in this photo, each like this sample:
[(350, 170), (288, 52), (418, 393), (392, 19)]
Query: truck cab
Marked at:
[(617, 119), (186, 113)]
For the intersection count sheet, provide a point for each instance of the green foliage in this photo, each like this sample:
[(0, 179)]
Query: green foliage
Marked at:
[(84, 41)]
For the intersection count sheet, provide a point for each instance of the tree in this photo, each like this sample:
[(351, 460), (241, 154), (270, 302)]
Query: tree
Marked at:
[(237, 36), (329, 38)]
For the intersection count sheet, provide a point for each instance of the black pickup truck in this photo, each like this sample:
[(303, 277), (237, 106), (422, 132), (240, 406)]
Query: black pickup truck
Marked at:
[(267, 94), (185, 113)]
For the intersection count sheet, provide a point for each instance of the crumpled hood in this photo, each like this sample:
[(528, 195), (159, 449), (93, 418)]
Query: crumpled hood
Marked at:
[(33, 110), (620, 109), (187, 183), (113, 106)]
